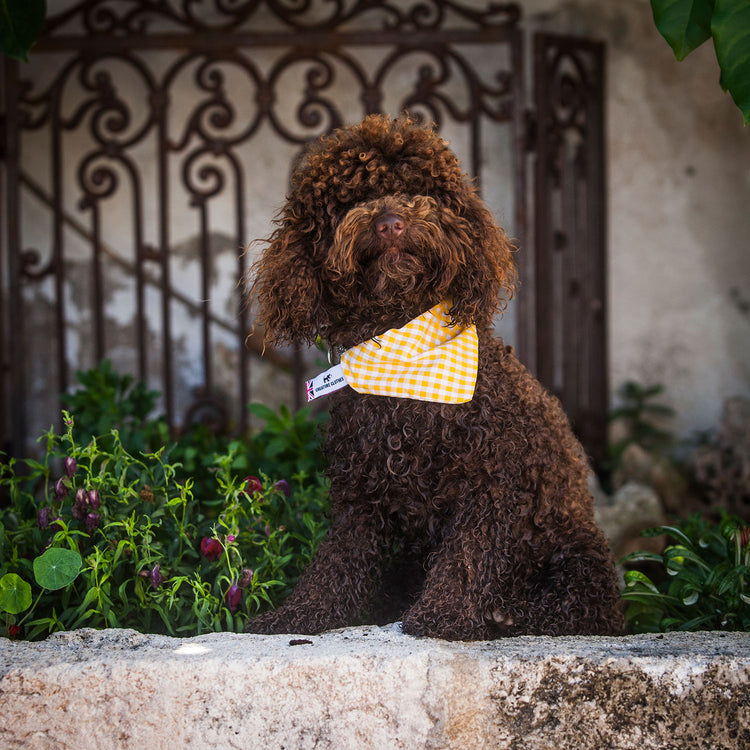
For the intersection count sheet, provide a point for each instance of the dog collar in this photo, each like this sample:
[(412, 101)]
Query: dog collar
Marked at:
[(428, 359)]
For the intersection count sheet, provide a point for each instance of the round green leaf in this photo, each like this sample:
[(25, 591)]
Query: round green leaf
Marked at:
[(57, 568), (15, 594)]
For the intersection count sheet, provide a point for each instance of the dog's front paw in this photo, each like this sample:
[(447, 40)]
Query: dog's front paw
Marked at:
[(428, 624), (270, 623), (291, 620)]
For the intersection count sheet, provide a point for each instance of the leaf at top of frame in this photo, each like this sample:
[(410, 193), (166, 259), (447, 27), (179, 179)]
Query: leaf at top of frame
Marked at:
[(685, 24), (730, 27), (21, 23)]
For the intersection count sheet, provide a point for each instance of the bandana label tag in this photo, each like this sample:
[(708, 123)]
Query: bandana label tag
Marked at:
[(327, 382)]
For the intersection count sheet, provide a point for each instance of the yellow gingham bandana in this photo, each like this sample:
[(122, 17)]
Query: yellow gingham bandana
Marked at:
[(428, 359)]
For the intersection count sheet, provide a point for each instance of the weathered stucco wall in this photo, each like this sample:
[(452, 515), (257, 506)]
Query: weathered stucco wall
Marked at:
[(266, 161), (375, 688), (679, 188), (679, 224)]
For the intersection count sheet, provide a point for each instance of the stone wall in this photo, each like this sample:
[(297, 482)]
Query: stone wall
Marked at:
[(374, 688)]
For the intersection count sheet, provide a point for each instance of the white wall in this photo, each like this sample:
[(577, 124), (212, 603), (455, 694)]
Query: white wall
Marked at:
[(679, 212), (679, 221)]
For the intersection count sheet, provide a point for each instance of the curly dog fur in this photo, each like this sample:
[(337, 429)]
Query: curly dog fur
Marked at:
[(469, 521)]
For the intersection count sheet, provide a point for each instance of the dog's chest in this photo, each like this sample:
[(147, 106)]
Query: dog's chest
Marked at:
[(390, 451)]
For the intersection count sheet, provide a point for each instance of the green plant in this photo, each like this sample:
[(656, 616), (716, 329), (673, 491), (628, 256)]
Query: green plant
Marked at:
[(705, 586), (21, 24), (687, 24), (153, 555), (109, 401), (640, 416), (288, 445)]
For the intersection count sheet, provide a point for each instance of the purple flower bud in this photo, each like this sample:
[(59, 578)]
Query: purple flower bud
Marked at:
[(80, 504), (44, 517), (69, 464), (92, 521), (210, 548), (253, 485), (246, 579), (231, 538), (94, 500), (61, 489), (283, 486), (233, 597), (156, 577)]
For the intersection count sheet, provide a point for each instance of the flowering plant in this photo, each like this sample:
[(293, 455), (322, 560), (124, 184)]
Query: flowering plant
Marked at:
[(111, 539), (703, 578)]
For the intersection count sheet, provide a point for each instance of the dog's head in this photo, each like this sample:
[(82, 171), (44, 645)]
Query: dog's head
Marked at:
[(380, 225)]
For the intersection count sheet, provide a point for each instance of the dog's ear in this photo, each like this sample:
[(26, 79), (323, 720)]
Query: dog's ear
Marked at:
[(285, 283), (487, 278)]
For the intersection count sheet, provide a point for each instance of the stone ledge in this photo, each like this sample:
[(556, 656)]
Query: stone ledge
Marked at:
[(374, 688)]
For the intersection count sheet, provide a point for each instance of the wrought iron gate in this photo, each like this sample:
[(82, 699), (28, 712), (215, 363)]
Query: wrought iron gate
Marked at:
[(147, 141), (569, 232)]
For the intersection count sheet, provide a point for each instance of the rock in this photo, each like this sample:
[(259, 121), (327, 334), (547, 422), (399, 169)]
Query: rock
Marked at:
[(657, 471), (372, 687), (735, 424), (631, 509), (722, 470)]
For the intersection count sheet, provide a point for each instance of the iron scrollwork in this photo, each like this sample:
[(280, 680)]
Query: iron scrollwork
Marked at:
[(135, 17), (110, 97), (567, 114)]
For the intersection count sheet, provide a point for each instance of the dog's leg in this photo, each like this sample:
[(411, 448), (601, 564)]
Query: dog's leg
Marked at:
[(486, 582), (574, 591), (337, 586), (455, 602)]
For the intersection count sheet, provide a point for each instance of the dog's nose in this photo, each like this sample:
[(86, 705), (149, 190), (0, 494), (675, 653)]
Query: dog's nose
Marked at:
[(389, 226)]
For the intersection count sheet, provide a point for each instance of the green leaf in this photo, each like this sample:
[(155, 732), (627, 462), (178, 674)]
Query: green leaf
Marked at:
[(729, 583), (643, 618), (21, 23), (685, 24), (675, 557), (57, 568), (730, 27), (262, 411), (672, 531), (690, 596), (635, 577), (697, 623), (15, 594), (638, 556)]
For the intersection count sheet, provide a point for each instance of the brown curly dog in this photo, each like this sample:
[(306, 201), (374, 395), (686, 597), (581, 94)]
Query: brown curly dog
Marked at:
[(468, 520)]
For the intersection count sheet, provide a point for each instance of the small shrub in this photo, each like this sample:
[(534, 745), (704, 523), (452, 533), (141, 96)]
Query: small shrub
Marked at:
[(705, 583), (109, 401), (287, 445), (96, 536), (639, 417)]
